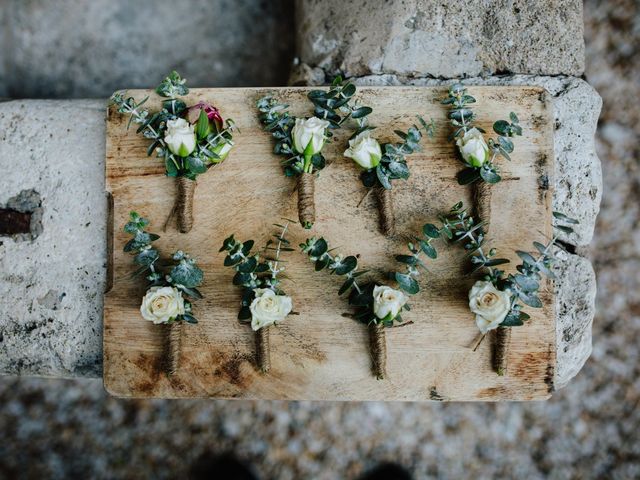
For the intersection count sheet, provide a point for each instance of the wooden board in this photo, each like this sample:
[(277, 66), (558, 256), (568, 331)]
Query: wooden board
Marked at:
[(320, 354)]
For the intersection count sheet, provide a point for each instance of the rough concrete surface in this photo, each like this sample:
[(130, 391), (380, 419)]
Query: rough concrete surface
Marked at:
[(61, 48), (51, 283), (441, 39), (588, 430)]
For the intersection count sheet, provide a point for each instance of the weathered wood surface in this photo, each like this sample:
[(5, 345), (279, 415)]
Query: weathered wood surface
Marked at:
[(320, 354)]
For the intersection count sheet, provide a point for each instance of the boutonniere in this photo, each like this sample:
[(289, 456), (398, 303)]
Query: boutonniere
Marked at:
[(171, 286), (300, 140), (189, 139), (479, 155), (382, 164), (377, 305), (263, 303), (497, 299)]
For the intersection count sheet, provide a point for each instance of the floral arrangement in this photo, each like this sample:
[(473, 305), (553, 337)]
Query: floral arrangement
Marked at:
[(478, 155), (380, 169), (300, 140), (190, 139), (164, 302), (376, 305), (498, 299), (263, 302)]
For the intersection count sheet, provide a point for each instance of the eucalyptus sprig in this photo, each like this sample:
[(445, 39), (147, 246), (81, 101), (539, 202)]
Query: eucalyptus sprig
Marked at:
[(182, 274), (254, 269), (522, 286), (478, 156), (393, 163), (361, 293)]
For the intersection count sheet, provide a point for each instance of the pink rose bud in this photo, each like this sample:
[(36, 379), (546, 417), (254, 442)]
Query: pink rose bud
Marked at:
[(212, 112)]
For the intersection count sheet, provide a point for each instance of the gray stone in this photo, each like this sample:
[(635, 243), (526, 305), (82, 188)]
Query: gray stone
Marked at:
[(56, 48), (442, 39), (575, 291), (51, 285)]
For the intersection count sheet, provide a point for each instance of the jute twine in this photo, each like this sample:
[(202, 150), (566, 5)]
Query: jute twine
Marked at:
[(500, 347), (482, 203), (387, 214), (263, 350), (184, 203), (172, 341), (378, 346), (306, 201)]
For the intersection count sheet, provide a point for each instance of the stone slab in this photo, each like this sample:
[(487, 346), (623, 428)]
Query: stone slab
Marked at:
[(441, 39)]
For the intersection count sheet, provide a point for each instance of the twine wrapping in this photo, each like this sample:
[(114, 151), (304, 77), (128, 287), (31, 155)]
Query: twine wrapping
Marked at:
[(172, 341), (263, 349), (378, 346), (306, 201), (482, 203), (385, 206), (500, 347), (184, 203)]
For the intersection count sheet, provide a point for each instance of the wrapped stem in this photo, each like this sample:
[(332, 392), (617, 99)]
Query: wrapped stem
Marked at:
[(172, 347), (387, 214), (306, 200), (263, 349), (378, 346), (482, 202), (184, 203), (500, 348)]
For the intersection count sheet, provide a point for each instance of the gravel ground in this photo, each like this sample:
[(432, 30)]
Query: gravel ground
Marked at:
[(57, 429)]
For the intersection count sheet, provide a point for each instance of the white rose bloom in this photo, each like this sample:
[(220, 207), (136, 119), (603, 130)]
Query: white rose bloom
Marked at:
[(490, 305), (387, 301), (268, 308), (364, 150), (161, 304), (180, 137), (473, 148), (309, 135)]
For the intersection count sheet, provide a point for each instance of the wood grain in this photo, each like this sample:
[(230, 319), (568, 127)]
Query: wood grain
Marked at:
[(319, 354)]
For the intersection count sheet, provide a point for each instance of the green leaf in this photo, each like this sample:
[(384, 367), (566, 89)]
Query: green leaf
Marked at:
[(564, 218), (319, 248), (203, 128), (146, 257), (468, 176), (346, 285), (382, 177), (526, 257), (186, 273), (428, 249), (407, 283), (172, 170), (512, 320), (526, 283), (246, 247), (321, 264), (501, 127), (513, 117), (241, 278), (431, 230), (189, 318), (347, 265), (530, 299), (408, 259), (248, 266), (244, 313), (489, 174), (361, 112), (196, 165), (495, 262)]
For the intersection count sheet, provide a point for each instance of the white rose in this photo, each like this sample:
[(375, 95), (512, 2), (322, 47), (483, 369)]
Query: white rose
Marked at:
[(268, 308), (364, 150), (161, 304), (309, 135), (388, 302), (489, 304), (180, 137), (473, 148)]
